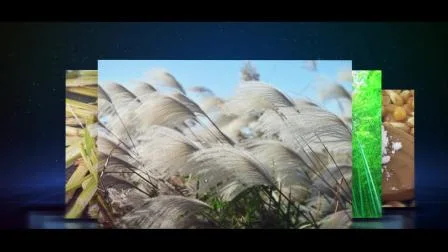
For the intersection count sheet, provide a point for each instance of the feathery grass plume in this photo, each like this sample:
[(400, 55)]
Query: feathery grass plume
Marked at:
[(256, 96), (190, 104), (142, 89), (160, 144), (202, 90), (120, 95), (228, 169), (249, 72), (163, 78), (269, 125), (286, 165), (233, 128), (162, 110), (306, 106), (118, 121), (334, 91), (296, 127), (112, 147), (118, 160), (222, 119), (166, 212), (209, 130), (367, 174), (118, 107), (211, 103)]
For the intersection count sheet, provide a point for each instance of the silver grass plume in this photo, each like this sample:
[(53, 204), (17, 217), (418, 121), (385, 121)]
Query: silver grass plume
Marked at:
[(166, 212), (334, 91), (164, 78), (143, 89), (202, 90), (165, 150), (249, 73), (230, 170), (256, 96)]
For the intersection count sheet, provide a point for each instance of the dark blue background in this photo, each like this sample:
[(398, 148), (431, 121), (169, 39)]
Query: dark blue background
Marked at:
[(35, 56)]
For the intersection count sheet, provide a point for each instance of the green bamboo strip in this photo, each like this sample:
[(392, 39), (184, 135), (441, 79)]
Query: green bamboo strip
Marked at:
[(366, 114)]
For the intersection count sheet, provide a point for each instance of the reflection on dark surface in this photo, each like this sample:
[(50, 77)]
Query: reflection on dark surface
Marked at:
[(392, 219), (56, 220), (425, 215), (403, 218)]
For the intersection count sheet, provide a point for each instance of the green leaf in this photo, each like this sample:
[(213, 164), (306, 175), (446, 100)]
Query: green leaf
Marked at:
[(77, 178), (72, 153), (89, 155), (83, 200)]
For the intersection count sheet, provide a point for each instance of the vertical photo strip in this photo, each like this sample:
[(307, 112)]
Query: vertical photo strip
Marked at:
[(367, 190), (398, 148), (81, 160)]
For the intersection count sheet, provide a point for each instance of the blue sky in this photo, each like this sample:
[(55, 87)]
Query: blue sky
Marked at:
[(222, 76)]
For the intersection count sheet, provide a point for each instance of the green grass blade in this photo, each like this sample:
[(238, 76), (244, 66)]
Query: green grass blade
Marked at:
[(83, 200), (72, 153), (77, 178), (89, 155)]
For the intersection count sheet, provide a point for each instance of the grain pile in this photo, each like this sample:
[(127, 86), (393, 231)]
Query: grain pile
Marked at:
[(398, 109)]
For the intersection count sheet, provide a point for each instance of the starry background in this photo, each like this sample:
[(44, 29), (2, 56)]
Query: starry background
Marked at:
[(35, 56)]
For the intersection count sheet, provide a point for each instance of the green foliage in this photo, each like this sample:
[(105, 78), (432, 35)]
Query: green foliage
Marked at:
[(257, 207), (367, 144)]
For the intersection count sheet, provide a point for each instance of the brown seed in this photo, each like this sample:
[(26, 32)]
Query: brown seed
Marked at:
[(410, 121), (390, 108), (388, 118), (386, 100), (399, 114), (396, 99), (405, 95), (408, 108), (400, 125), (410, 101)]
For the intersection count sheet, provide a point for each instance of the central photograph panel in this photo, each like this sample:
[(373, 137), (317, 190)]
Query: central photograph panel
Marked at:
[(225, 143)]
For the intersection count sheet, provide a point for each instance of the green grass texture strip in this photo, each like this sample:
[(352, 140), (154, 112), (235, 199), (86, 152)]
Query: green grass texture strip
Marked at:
[(366, 144)]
